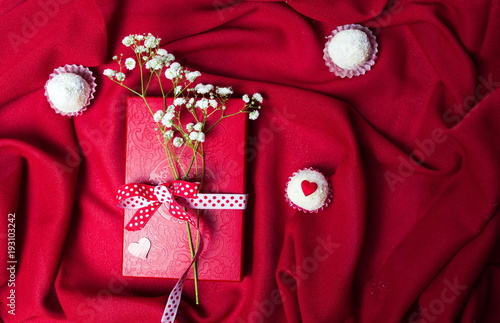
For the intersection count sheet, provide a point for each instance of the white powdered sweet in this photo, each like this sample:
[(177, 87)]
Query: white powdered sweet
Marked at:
[(68, 92), (349, 49), (315, 200)]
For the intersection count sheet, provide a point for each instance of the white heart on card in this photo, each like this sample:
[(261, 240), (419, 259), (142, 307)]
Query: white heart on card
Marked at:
[(140, 249)]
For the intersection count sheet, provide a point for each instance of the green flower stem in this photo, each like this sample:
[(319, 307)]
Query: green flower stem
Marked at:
[(195, 264), (173, 168), (149, 82), (179, 163), (195, 116), (123, 85), (195, 149), (222, 118), (142, 78), (162, 92)]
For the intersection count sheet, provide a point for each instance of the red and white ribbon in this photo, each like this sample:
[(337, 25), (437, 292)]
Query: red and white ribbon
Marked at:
[(174, 298), (146, 199), (215, 201)]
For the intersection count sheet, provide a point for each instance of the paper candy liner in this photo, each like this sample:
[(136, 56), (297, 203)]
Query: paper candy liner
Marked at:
[(360, 70), (80, 70), (327, 200)]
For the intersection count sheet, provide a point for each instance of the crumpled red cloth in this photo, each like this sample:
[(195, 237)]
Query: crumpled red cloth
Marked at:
[(411, 148)]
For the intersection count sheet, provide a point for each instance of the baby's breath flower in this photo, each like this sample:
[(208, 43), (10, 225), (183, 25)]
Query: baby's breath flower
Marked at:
[(171, 108), (168, 116), (213, 103), (190, 127), (201, 137), (253, 115), (130, 63), (178, 142), (179, 101), (177, 89), (158, 115), (161, 52), (169, 58), (166, 122), (257, 97), (224, 91), (128, 41), (191, 76), (165, 56), (139, 37), (246, 98), (120, 77), (193, 135), (203, 89), (109, 72), (115, 58), (202, 103), (155, 63), (151, 41), (173, 71), (168, 134), (198, 126), (140, 49)]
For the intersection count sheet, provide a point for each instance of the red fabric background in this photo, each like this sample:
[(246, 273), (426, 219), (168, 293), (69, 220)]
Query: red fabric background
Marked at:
[(400, 242)]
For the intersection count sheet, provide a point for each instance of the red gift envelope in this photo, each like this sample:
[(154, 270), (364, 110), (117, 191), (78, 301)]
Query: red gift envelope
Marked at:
[(161, 248)]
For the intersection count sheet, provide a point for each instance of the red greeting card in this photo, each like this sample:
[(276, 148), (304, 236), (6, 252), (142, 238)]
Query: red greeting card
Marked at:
[(161, 248)]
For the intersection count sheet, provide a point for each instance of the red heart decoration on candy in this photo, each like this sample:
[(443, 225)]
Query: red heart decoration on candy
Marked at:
[(308, 187)]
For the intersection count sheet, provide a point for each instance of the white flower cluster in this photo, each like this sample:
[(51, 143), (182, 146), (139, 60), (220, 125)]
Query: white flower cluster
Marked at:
[(224, 91), (119, 76), (200, 100), (203, 88), (253, 103), (174, 71), (167, 117), (148, 41), (148, 55), (178, 142), (195, 131), (253, 115), (130, 63)]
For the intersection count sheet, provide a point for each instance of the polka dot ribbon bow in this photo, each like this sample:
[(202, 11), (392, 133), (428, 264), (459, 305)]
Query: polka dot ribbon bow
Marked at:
[(146, 199)]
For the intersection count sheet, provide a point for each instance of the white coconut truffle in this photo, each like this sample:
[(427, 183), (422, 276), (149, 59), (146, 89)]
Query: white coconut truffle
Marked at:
[(68, 92), (308, 190), (349, 49)]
